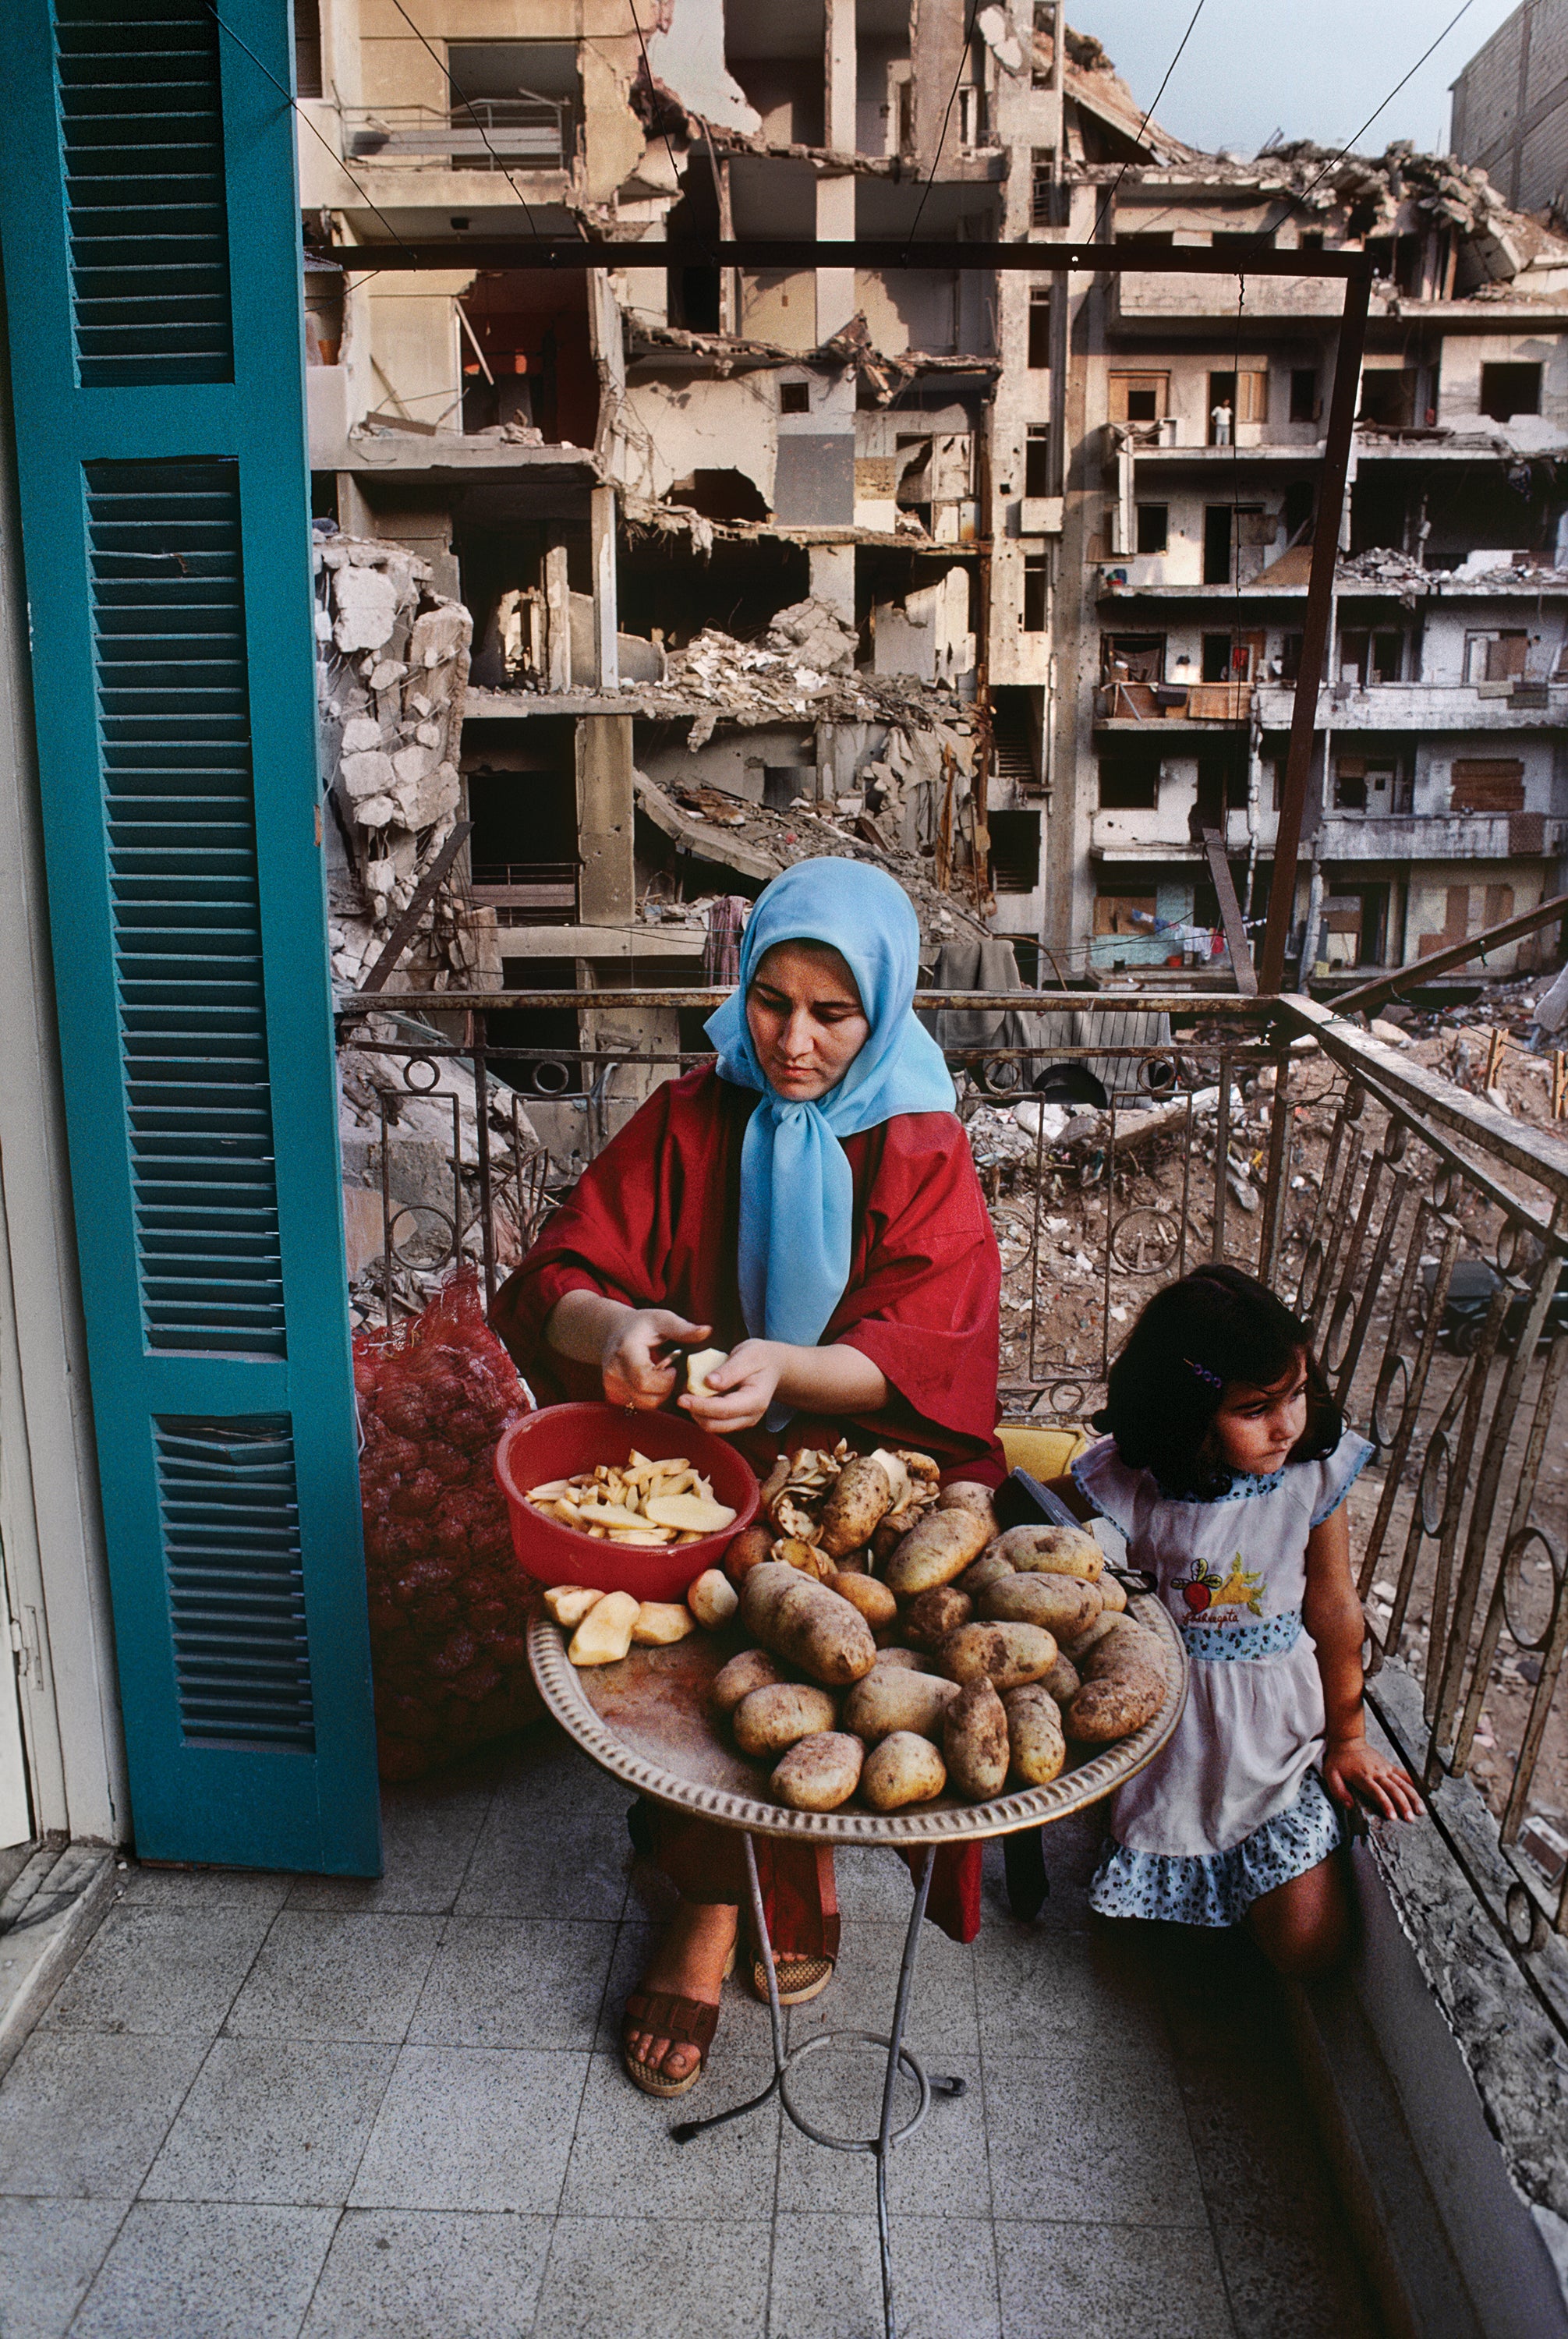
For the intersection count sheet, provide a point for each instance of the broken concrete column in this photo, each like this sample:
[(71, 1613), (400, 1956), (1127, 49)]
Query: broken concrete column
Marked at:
[(607, 881), (557, 620)]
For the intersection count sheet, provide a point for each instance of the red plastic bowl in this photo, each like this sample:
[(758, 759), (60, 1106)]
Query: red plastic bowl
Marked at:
[(562, 1439)]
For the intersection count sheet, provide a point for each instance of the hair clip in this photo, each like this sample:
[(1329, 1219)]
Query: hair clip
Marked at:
[(1212, 1379)]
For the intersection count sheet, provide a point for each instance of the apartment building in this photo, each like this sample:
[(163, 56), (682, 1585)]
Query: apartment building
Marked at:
[(1000, 580)]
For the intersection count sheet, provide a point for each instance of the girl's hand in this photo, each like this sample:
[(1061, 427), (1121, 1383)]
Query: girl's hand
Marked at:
[(633, 1374), (1356, 1772), (740, 1390)]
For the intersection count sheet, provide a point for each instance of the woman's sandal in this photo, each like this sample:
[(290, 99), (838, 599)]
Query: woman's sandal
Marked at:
[(683, 2021), (799, 1978)]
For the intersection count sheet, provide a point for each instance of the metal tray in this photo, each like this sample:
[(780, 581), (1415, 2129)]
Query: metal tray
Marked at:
[(646, 1719)]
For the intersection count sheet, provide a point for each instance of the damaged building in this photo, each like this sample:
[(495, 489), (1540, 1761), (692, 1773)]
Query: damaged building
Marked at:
[(1000, 579)]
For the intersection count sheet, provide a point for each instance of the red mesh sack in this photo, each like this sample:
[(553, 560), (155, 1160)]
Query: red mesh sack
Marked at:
[(450, 1607)]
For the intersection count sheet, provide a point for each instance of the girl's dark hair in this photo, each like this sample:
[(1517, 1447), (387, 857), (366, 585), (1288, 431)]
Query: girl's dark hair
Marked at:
[(1217, 1326)]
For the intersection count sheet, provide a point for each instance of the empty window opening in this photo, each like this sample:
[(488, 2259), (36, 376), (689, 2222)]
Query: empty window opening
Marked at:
[(1388, 397), (1036, 460), (1132, 658), (1510, 390), (795, 398), (1014, 850), (1233, 398), (1305, 406), (1039, 328), (720, 494), (1139, 397), (1130, 782), (1153, 528), (513, 102), (1034, 574), (307, 48), (1216, 532)]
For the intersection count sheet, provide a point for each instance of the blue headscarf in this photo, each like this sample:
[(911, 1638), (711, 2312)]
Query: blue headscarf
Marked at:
[(797, 1191)]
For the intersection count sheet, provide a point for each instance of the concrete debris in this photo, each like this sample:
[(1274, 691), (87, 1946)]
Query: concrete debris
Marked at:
[(816, 634), (392, 666), (717, 679), (1388, 571), (850, 348)]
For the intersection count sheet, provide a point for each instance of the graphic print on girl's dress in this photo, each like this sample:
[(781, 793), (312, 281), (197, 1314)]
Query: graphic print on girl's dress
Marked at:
[(1220, 1599)]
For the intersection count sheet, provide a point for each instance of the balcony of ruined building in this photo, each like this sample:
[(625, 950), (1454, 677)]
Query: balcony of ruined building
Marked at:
[(1520, 705)]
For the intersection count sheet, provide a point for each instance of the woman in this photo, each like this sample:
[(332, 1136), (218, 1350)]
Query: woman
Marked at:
[(810, 1205)]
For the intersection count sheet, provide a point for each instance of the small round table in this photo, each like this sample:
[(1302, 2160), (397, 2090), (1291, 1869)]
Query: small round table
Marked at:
[(647, 1722)]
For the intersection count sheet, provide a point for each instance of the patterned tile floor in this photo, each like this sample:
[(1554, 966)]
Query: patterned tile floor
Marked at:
[(265, 2107)]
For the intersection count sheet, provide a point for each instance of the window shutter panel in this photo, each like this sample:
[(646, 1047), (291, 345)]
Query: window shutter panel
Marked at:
[(150, 220)]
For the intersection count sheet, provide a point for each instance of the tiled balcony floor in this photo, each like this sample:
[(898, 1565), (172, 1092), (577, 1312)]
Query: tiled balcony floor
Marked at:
[(267, 2105)]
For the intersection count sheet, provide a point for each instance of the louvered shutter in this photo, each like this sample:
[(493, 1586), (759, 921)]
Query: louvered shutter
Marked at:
[(150, 224)]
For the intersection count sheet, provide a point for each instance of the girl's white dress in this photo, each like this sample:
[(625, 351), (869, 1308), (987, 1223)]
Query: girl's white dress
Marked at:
[(1233, 1804)]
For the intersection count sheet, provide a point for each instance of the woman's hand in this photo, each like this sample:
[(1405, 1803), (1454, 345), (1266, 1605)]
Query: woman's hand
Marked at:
[(633, 1374), (740, 1390), (1356, 1772)]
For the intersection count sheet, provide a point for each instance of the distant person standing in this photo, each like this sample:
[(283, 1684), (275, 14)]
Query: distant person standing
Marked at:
[(1219, 420)]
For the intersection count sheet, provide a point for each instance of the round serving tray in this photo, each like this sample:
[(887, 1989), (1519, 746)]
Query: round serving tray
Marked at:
[(646, 1719)]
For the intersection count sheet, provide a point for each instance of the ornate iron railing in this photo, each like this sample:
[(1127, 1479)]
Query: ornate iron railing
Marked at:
[(1421, 1232)]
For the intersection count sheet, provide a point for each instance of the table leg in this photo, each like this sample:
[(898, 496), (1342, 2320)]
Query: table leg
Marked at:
[(896, 2041), (683, 2130)]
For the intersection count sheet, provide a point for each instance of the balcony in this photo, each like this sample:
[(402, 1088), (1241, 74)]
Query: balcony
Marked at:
[(1443, 836), (1143, 298), (1425, 706), (1196, 705), (483, 134)]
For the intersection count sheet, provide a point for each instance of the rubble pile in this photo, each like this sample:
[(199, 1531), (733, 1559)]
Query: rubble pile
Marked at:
[(392, 666), (804, 671), (884, 376)]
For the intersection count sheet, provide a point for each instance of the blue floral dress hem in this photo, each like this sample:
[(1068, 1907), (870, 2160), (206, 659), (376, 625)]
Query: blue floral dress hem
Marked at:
[(1218, 1888)]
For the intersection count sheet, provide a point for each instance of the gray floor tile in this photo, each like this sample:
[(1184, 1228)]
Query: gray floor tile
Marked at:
[(430, 2274), (827, 2278), (1089, 2134), (545, 1861), (1033, 1985), (840, 2091), (281, 2120), (323, 1974), (513, 1981), (49, 2253), (1294, 2285), (547, 1771), (1253, 2115), (206, 1888), (874, 1886), (159, 1971), (429, 1830), (471, 2127), (619, 2278), (207, 2270), (623, 2150), (85, 2116), (1098, 2281), (860, 1995)]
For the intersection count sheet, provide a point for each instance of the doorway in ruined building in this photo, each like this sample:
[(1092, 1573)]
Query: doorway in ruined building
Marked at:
[(527, 362)]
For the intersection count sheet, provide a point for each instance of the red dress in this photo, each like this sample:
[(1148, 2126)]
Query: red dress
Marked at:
[(654, 1222)]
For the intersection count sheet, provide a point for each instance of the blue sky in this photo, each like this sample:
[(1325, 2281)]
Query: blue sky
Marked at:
[(1309, 68)]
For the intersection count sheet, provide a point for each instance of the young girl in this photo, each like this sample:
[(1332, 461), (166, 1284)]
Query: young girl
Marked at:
[(1227, 1470)]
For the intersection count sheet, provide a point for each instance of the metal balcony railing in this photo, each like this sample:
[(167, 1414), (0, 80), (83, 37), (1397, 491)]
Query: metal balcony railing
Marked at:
[(480, 133), (1422, 1234)]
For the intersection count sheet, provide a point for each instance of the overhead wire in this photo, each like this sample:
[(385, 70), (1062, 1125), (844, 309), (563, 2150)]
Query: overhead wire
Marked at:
[(1100, 216), (947, 116)]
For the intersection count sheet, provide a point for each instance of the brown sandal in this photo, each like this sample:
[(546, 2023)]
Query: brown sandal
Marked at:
[(683, 2021)]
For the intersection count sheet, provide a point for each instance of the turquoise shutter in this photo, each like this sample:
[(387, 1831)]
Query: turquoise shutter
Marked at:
[(149, 224)]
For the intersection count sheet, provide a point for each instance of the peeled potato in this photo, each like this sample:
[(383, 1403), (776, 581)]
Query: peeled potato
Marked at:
[(605, 1635), (712, 1599), (661, 1623), (874, 1601), (692, 1510), (567, 1604), (700, 1363)]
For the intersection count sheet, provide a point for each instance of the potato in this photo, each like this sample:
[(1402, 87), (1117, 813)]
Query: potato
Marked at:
[(885, 1540), (794, 1552), (1079, 1644), (662, 1622), (696, 1513), (1123, 1685), (712, 1599), (605, 1635), (569, 1603), (820, 1771), (770, 1720), (1052, 1550), (988, 1569), (1063, 1681), (700, 1363), (753, 1669), (1064, 1604), (749, 1549), (1005, 1655), (892, 1698), (806, 1625), (1112, 1592), (861, 1496), (902, 1770), (874, 1601), (1039, 1750), (930, 1617), (913, 1661), (969, 1494), (937, 1547), (974, 1742), (853, 1563)]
